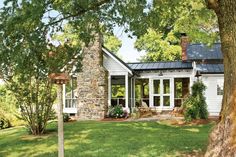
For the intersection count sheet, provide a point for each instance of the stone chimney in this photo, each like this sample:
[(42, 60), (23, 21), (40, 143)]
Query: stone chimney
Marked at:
[(93, 82), (184, 43)]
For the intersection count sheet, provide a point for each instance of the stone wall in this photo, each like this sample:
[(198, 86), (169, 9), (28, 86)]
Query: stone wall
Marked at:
[(93, 83)]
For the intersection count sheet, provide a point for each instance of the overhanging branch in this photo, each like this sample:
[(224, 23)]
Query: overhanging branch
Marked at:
[(213, 4), (94, 6)]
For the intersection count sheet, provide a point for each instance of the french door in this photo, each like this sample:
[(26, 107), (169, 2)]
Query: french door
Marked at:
[(161, 93)]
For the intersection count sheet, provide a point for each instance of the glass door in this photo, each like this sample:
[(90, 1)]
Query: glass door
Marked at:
[(157, 92), (166, 92), (161, 93)]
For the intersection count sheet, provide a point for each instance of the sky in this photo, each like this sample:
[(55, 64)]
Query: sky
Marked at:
[(127, 51)]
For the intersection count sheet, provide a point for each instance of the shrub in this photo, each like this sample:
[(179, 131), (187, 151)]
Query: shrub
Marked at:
[(4, 123), (66, 117), (117, 112), (195, 106), (135, 114), (8, 109)]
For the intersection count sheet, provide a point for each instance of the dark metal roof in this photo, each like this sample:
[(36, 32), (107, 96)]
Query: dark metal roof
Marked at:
[(201, 51), (211, 68), (160, 65)]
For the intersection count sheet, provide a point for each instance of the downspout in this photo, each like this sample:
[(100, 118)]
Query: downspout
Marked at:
[(192, 79), (131, 90)]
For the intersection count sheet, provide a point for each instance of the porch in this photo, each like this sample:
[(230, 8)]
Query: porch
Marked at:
[(70, 99), (163, 93), (157, 93), (119, 91)]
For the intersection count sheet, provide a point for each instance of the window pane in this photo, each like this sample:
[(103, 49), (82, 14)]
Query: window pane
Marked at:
[(156, 101), (156, 87), (166, 86), (220, 87), (166, 100), (219, 90), (118, 91), (178, 88)]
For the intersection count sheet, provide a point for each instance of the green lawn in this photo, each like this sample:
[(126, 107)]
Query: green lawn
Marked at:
[(107, 139)]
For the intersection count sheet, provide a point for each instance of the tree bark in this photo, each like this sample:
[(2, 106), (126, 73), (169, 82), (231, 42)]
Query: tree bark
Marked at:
[(222, 140)]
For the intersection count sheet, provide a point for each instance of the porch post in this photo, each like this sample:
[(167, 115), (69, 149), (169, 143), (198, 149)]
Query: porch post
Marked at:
[(150, 92), (172, 92), (109, 90), (64, 95), (134, 100), (126, 91), (131, 93)]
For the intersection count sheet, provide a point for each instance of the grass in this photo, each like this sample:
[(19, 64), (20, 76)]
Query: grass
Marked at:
[(107, 139)]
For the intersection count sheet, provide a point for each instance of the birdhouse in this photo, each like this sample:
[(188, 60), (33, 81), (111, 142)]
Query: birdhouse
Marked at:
[(59, 78)]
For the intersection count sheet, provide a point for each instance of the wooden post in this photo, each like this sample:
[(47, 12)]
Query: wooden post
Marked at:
[(60, 123), (60, 79)]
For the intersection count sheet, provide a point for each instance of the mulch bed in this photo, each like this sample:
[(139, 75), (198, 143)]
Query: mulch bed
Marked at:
[(193, 122), (113, 119), (193, 154)]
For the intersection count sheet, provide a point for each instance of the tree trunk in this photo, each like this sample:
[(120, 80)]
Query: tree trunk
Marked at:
[(222, 140)]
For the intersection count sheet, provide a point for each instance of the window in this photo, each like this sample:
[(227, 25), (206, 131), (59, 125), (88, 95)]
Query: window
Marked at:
[(220, 85)]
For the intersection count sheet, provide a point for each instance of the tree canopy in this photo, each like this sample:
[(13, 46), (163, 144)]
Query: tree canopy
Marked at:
[(167, 19), (28, 55)]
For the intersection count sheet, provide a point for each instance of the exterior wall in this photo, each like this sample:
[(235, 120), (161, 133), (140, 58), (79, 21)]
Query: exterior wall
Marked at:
[(111, 65), (115, 68), (92, 83), (213, 100), (167, 73), (1, 82), (211, 80)]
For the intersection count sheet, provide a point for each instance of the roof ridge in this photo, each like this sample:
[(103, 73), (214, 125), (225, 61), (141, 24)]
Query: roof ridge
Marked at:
[(203, 43), (155, 62)]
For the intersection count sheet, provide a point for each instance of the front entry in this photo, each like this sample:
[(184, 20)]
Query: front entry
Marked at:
[(161, 93)]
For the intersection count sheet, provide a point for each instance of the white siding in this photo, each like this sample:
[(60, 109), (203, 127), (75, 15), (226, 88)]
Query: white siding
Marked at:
[(111, 65), (212, 99), (167, 73), (1, 82)]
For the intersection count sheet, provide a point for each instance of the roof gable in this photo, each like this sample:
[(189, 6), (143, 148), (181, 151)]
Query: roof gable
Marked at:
[(117, 60)]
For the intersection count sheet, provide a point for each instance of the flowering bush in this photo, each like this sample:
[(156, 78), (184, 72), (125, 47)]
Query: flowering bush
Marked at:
[(117, 112)]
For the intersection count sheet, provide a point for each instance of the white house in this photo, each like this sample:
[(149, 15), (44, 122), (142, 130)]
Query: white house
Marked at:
[(161, 85)]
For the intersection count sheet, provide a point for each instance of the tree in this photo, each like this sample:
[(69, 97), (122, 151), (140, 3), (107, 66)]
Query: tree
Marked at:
[(223, 139), (25, 62), (27, 55), (112, 43), (70, 35), (8, 108), (167, 19), (157, 48)]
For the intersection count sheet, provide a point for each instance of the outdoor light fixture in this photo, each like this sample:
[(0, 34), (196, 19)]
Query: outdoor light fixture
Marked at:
[(160, 74), (198, 74)]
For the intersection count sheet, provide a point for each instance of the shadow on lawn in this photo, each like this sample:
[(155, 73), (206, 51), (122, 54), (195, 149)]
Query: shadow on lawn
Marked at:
[(88, 139)]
